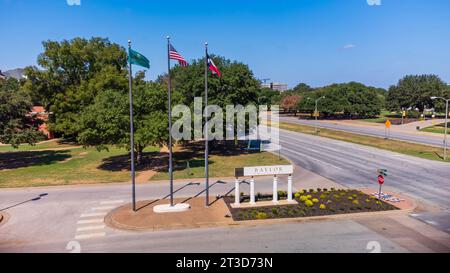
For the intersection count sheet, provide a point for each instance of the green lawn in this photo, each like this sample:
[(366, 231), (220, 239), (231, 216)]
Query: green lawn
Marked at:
[(58, 167), (221, 166), (53, 144), (55, 163), (438, 129), (418, 150)]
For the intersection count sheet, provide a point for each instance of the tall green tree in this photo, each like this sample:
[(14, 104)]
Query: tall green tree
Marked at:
[(236, 86), (73, 73), (17, 126), (348, 100), (106, 121), (415, 91)]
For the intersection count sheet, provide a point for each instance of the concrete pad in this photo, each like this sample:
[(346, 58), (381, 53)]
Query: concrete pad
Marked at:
[(171, 209), (145, 219)]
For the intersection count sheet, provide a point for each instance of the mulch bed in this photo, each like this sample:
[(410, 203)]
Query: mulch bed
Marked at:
[(320, 202)]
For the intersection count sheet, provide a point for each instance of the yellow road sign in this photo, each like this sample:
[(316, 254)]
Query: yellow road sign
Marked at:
[(388, 124)]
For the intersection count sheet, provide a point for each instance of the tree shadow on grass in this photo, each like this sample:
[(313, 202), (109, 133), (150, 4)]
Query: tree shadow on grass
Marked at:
[(15, 160), (192, 152)]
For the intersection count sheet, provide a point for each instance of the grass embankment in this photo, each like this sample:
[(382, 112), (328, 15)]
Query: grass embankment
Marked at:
[(418, 150), (437, 129), (56, 163)]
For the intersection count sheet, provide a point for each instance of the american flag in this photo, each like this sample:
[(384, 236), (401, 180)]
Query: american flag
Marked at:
[(174, 55)]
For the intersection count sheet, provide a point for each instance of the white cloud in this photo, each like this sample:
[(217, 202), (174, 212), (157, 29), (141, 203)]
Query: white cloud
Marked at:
[(374, 2), (349, 46)]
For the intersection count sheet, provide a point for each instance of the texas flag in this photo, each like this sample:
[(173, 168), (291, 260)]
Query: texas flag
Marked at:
[(213, 67)]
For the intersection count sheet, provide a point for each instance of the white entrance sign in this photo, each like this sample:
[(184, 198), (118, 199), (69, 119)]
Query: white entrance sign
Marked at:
[(268, 170), (264, 171)]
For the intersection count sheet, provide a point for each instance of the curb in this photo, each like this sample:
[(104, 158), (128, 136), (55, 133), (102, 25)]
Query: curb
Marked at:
[(247, 223), (4, 217)]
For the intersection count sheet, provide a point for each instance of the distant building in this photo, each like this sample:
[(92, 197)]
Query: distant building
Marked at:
[(40, 113), (275, 86)]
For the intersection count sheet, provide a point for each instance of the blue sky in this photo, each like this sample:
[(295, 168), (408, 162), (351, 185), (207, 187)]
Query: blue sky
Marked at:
[(313, 41)]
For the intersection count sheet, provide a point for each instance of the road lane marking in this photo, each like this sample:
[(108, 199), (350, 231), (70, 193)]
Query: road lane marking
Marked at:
[(103, 208), (90, 228), (90, 235), (432, 223), (95, 214), (111, 202), (93, 221)]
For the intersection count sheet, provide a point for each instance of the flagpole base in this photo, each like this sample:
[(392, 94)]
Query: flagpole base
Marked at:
[(170, 209)]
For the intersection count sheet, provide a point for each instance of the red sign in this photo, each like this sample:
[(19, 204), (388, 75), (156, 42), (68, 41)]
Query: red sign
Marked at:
[(380, 180)]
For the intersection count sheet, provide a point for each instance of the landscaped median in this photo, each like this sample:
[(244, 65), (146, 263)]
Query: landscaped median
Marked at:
[(307, 205), (407, 148)]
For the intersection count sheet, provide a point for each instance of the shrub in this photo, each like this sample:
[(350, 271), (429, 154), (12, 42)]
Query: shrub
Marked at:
[(322, 206), (297, 195), (275, 210), (311, 190), (309, 196), (329, 202), (261, 215), (301, 192), (350, 198), (282, 193), (303, 198), (309, 203), (325, 189), (337, 196), (332, 189), (354, 195), (323, 196), (367, 200), (319, 189), (373, 197), (356, 202), (315, 200)]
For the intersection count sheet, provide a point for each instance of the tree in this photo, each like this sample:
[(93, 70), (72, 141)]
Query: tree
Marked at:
[(74, 72), (348, 100), (289, 103), (236, 86), (302, 88), (16, 124), (415, 92), (106, 121)]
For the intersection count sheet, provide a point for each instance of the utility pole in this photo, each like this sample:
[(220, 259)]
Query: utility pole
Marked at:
[(446, 123), (316, 112)]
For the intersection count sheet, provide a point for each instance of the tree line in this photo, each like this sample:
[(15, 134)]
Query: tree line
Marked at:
[(84, 84)]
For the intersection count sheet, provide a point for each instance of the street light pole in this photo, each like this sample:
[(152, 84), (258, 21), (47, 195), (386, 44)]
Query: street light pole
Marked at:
[(316, 113), (446, 123)]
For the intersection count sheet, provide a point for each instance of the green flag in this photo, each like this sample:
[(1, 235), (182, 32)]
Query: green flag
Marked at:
[(138, 59)]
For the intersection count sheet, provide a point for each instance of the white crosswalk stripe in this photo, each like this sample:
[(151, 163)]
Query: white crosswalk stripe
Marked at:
[(111, 202), (96, 214), (91, 221), (103, 208), (90, 235), (90, 228)]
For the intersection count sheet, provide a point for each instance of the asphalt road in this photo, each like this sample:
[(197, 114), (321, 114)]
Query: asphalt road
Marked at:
[(370, 131), (54, 219), (356, 166)]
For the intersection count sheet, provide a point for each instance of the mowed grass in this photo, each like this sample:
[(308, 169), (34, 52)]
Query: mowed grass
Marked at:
[(55, 163), (52, 144), (221, 164), (418, 150), (438, 129), (58, 167)]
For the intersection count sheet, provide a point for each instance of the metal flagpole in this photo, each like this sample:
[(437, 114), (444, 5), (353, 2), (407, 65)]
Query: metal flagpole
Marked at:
[(130, 75), (170, 123), (206, 129)]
